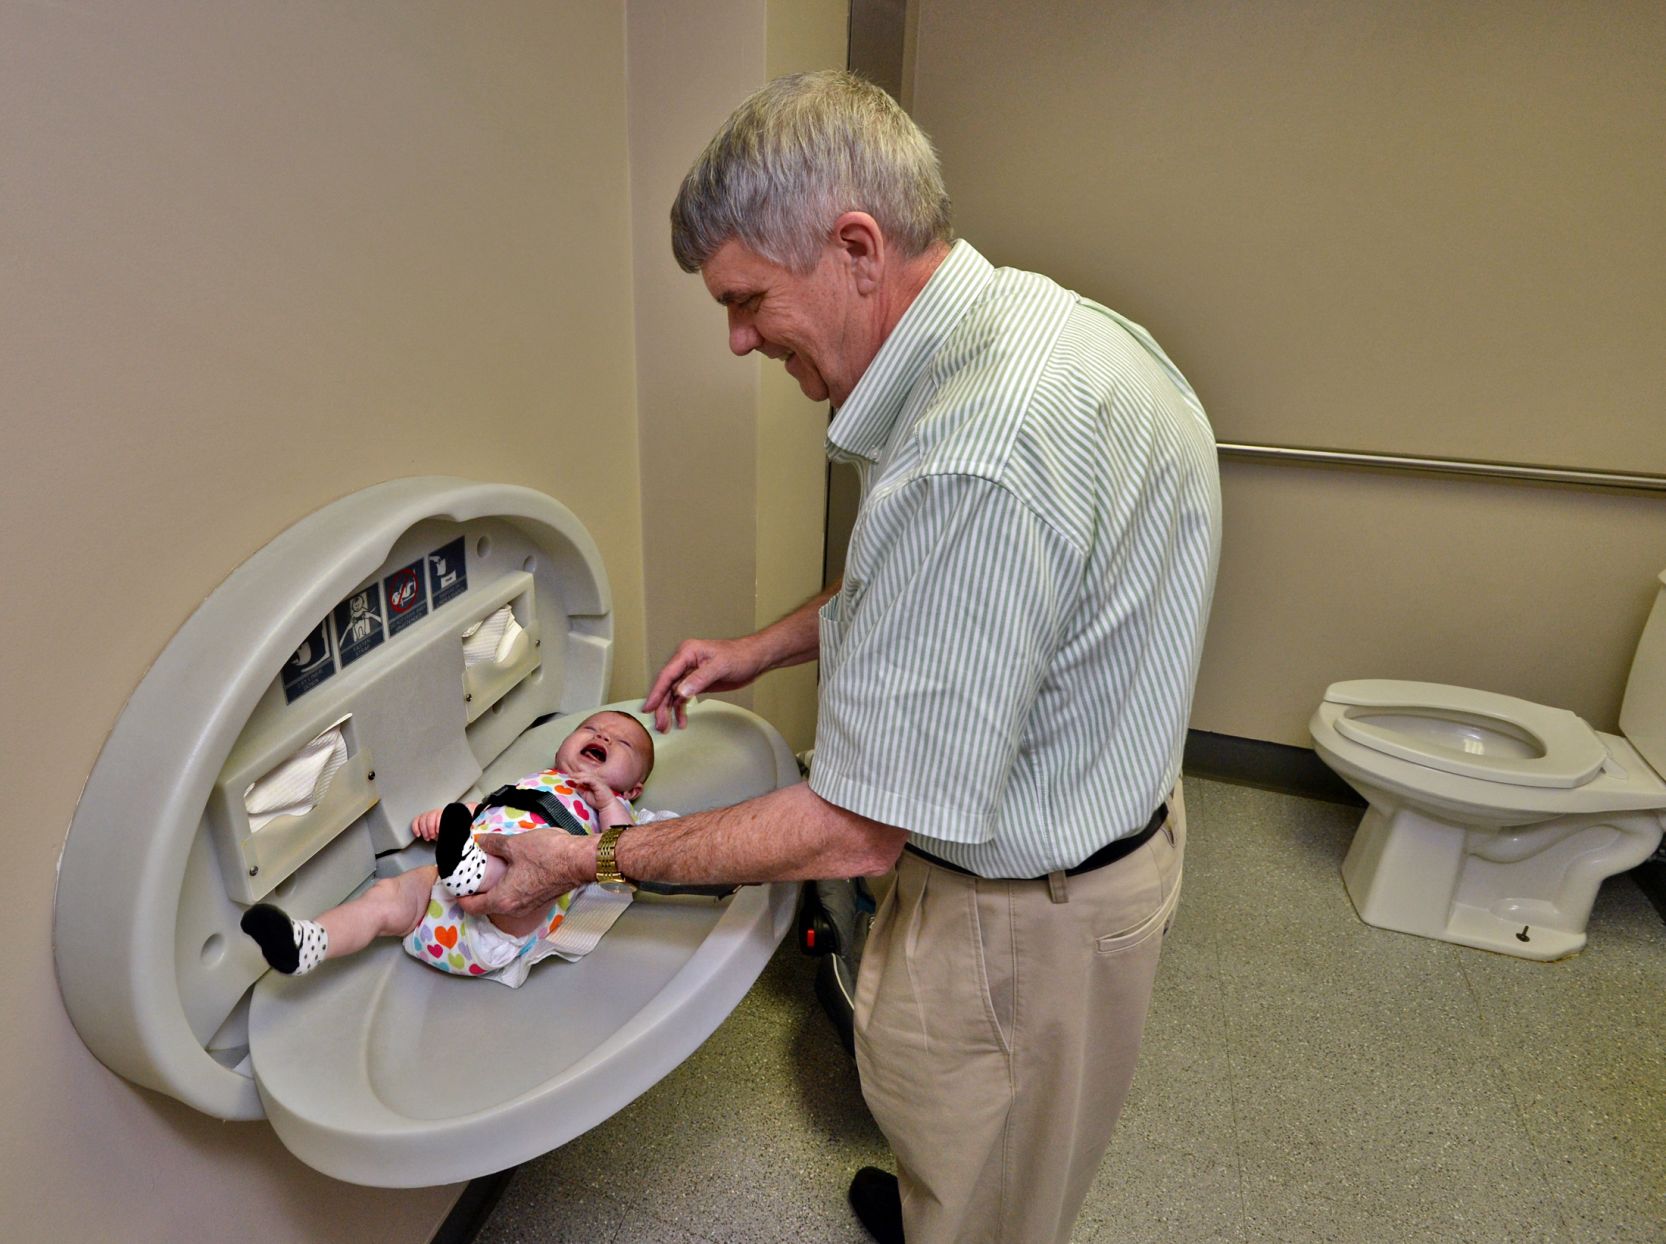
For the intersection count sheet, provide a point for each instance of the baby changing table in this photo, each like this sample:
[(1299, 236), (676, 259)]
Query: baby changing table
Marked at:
[(338, 676)]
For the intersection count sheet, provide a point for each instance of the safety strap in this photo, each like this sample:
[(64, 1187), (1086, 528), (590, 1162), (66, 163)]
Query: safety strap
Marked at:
[(540, 803)]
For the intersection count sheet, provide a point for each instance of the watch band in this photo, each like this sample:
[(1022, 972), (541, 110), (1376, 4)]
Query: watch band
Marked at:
[(607, 867)]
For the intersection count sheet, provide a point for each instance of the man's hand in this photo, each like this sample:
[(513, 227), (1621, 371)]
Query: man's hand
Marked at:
[(543, 865), (729, 664), (701, 665)]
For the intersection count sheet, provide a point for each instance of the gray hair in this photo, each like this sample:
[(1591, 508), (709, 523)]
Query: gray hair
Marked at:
[(793, 158)]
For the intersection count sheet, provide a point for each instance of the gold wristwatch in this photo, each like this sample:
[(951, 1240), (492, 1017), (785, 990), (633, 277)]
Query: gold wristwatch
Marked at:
[(607, 868)]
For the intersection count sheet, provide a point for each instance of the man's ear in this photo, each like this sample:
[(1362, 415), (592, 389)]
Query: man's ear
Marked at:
[(861, 242)]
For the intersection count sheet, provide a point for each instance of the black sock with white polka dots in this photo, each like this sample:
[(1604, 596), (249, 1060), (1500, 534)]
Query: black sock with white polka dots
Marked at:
[(461, 862), (293, 947)]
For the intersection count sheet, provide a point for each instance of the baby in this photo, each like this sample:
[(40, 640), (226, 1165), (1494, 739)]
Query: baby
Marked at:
[(597, 771)]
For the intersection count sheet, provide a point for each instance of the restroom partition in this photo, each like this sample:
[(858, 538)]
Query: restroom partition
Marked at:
[(1417, 233)]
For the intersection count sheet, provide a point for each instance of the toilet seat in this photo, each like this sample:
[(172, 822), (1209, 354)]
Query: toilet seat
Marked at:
[(1571, 754)]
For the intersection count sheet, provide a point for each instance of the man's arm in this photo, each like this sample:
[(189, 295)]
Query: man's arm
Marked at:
[(726, 664), (787, 835)]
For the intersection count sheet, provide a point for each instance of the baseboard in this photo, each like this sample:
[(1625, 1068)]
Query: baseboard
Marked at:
[(1651, 877), (1270, 766), (466, 1218)]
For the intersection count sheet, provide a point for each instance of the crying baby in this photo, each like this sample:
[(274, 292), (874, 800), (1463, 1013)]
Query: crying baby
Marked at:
[(597, 772)]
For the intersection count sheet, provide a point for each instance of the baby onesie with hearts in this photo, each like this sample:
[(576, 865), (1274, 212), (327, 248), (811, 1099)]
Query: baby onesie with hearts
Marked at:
[(452, 940)]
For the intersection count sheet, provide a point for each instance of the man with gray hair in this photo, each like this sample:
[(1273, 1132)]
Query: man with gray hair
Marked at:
[(1006, 668)]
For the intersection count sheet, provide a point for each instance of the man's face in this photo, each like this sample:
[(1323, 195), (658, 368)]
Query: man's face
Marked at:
[(616, 745), (810, 321)]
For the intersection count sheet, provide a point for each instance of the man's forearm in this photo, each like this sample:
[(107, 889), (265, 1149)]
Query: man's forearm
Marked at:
[(796, 638), (786, 835)]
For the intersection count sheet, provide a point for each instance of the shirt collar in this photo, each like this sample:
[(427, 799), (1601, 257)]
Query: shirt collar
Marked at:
[(862, 427)]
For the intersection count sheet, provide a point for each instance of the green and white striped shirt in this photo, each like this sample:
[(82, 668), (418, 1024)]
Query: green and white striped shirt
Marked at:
[(1008, 668)]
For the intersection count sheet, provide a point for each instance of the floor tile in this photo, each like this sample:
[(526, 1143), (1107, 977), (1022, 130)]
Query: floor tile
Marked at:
[(1305, 1077), (1146, 1193)]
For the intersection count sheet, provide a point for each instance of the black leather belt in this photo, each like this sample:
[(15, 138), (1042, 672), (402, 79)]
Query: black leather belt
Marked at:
[(1110, 853)]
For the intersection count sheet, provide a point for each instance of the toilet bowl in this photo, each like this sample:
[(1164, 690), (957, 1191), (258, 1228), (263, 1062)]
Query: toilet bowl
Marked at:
[(1493, 821)]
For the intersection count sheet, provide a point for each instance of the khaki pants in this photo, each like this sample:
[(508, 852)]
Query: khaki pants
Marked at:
[(997, 1025)]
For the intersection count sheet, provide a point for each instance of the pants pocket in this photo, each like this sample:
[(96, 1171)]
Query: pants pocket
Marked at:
[(1144, 900), (997, 959)]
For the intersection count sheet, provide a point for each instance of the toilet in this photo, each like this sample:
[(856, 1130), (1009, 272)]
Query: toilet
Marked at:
[(1492, 821)]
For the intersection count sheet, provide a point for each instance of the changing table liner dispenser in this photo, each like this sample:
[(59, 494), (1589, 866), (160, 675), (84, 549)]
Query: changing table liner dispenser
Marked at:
[(329, 690)]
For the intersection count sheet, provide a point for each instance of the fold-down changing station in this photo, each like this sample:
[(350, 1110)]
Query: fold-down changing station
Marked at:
[(403, 647)]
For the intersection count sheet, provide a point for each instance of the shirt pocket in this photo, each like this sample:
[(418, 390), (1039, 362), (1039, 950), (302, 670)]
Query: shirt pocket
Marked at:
[(830, 634)]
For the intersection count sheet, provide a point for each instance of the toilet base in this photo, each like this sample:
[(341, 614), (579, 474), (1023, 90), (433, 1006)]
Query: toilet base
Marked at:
[(1524, 891), (1470, 926)]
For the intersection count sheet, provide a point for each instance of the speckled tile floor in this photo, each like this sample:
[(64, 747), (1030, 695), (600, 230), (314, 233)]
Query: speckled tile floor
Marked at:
[(1305, 1077)]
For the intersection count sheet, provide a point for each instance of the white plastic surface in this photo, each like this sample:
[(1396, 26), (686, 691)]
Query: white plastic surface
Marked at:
[(160, 859), (379, 1070), (1448, 728), (375, 1068)]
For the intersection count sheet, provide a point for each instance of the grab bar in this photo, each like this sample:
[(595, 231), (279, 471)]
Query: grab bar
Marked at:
[(1565, 476)]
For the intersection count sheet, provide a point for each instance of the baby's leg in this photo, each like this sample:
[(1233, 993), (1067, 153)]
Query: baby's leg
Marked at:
[(390, 908), (464, 867)]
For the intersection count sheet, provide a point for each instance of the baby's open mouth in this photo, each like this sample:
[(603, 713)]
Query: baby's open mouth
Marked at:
[(596, 752)]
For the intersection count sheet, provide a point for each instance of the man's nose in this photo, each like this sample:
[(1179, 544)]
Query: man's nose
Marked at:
[(743, 338)]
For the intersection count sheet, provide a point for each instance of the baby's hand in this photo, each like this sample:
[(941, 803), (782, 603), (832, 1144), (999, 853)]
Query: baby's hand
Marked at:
[(597, 793), (427, 825)]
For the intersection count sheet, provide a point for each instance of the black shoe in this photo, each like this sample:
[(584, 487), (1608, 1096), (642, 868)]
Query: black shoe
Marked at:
[(274, 932), (453, 838), (878, 1204)]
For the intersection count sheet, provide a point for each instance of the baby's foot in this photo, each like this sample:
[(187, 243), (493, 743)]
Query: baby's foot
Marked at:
[(293, 947), (461, 862)]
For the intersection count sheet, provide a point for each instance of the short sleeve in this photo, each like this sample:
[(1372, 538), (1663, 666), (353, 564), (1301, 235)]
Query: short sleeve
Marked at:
[(933, 652)]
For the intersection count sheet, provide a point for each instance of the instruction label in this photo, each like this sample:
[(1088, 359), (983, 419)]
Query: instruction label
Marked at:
[(311, 664), (359, 626), (407, 596), (447, 574)]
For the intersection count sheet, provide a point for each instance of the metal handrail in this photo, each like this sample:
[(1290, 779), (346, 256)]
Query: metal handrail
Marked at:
[(1568, 477)]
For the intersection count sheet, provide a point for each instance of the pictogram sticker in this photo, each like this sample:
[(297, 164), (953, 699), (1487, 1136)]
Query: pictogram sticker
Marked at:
[(359, 624), (407, 596), (448, 576), (311, 664)]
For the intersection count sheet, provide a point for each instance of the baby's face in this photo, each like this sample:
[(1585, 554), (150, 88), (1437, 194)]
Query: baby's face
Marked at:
[(616, 745)]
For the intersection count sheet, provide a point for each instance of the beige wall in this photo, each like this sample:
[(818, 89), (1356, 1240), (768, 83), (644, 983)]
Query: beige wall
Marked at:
[(256, 257), (792, 430), (1414, 228), (732, 453)]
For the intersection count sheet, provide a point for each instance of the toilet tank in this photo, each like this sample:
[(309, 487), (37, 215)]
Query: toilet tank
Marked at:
[(1643, 712)]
